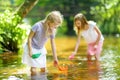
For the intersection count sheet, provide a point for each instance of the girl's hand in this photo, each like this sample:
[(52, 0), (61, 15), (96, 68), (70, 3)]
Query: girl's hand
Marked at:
[(55, 63), (95, 45), (72, 55)]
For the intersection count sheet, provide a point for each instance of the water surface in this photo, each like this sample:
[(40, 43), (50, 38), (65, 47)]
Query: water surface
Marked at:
[(108, 68)]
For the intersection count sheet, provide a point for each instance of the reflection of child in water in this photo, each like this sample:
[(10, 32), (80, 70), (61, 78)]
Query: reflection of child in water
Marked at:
[(94, 70), (39, 77), (92, 35)]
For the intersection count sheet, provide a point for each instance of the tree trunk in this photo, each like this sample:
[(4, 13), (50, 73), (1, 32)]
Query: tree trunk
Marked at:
[(26, 7)]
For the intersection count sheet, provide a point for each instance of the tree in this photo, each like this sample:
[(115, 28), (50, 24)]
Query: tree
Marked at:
[(68, 8), (10, 33), (26, 7), (107, 15)]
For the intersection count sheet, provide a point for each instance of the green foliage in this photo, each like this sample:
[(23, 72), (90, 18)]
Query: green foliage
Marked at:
[(62, 29), (107, 15), (11, 35), (8, 4), (104, 12)]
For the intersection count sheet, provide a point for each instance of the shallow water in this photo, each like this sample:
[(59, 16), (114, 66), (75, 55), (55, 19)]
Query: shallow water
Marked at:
[(108, 68)]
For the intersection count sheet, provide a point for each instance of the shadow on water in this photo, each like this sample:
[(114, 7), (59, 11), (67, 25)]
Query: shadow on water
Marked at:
[(79, 68)]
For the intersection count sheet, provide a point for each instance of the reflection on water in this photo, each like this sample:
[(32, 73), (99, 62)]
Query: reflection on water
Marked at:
[(108, 68), (94, 70), (39, 76), (85, 70), (14, 78)]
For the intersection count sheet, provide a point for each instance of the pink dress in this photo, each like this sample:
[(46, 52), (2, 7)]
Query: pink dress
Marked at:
[(92, 50), (90, 36)]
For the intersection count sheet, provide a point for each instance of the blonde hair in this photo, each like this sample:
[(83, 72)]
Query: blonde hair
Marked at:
[(54, 17), (83, 21)]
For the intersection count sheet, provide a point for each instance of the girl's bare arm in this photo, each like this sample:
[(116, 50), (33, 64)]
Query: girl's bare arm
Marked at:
[(54, 49), (99, 34), (77, 44), (29, 42)]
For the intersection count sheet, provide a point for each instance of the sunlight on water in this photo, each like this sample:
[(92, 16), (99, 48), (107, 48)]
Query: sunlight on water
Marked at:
[(79, 68)]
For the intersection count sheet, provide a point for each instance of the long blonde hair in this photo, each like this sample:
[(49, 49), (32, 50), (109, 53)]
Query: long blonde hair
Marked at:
[(54, 17), (83, 21)]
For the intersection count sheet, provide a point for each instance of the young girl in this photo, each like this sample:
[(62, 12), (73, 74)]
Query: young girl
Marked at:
[(92, 35), (35, 51)]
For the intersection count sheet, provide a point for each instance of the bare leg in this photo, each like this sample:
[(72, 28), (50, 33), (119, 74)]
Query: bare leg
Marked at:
[(89, 57), (98, 51), (42, 70), (33, 71), (97, 57)]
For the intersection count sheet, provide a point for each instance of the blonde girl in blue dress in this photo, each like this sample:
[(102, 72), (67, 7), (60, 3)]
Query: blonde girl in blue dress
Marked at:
[(35, 51)]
